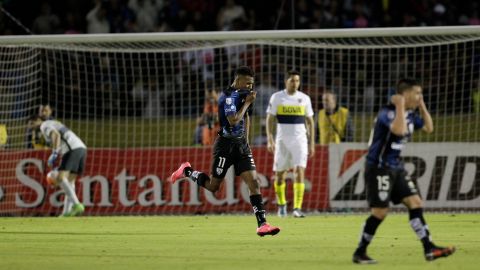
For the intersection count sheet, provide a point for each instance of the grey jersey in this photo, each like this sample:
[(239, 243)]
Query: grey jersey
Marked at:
[(69, 140)]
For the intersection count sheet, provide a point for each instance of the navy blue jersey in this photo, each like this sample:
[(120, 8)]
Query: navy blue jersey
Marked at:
[(230, 101), (385, 147)]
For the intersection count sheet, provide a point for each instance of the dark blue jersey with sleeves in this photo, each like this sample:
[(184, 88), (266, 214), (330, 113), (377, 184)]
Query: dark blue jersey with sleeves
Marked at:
[(230, 101), (385, 147)]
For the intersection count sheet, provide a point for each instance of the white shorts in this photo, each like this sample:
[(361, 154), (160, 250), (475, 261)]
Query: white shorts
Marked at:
[(290, 153)]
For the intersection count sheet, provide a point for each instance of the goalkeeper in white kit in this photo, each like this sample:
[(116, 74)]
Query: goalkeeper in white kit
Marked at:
[(72, 150)]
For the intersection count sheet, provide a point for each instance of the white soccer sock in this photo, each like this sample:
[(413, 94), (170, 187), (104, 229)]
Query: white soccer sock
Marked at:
[(67, 202), (66, 205), (420, 229), (69, 191)]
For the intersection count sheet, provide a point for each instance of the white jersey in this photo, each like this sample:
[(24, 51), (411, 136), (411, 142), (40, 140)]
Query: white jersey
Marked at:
[(69, 141), (290, 111)]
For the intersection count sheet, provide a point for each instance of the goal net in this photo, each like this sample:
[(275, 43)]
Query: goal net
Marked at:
[(142, 104)]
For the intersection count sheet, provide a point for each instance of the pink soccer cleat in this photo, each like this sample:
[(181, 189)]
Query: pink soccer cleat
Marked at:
[(266, 229), (439, 252), (178, 174)]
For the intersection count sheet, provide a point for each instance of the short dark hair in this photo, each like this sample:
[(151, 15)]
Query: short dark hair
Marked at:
[(244, 71), (405, 84), (292, 72)]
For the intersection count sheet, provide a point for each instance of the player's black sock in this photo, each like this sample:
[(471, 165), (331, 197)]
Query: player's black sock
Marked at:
[(199, 177), (257, 204), (369, 229), (419, 225)]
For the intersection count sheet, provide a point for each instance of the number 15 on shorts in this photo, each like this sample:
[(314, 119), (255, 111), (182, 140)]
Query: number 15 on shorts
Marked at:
[(383, 182)]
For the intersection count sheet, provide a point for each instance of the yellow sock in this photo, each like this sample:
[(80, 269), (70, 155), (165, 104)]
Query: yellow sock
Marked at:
[(298, 190), (280, 191)]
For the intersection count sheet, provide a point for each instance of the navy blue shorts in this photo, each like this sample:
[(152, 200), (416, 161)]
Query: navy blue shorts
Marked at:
[(385, 185), (231, 151)]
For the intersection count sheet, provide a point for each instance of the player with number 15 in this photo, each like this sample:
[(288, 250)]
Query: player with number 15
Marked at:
[(385, 177)]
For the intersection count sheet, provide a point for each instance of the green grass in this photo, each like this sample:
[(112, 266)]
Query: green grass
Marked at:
[(227, 242)]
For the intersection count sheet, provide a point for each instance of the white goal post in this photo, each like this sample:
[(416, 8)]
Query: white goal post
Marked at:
[(138, 101)]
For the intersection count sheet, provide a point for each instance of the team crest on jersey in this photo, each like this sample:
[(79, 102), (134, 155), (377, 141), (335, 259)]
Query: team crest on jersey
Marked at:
[(228, 101), (299, 100), (382, 195), (219, 171)]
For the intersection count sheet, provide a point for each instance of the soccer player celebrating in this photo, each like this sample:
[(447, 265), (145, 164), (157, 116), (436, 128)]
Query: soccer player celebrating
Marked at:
[(231, 147), (73, 151), (293, 143), (385, 177)]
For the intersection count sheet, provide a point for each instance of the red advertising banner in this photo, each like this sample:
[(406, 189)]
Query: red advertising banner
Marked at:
[(134, 181)]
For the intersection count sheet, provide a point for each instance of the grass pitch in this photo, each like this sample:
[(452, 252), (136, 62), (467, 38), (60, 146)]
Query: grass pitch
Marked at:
[(228, 242)]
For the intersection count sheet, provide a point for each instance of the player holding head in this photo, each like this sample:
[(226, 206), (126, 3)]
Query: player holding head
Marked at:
[(293, 143), (231, 147), (73, 152), (385, 177)]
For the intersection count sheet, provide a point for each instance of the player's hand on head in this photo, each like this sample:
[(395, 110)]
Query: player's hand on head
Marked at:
[(421, 101), (397, 100)]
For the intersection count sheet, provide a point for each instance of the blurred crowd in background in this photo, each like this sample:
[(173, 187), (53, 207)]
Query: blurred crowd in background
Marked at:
[(118, 85), (123, 16)]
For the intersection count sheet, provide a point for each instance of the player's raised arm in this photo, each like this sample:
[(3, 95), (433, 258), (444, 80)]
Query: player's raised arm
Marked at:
[(234, 119), (399, 123), (427, 118)]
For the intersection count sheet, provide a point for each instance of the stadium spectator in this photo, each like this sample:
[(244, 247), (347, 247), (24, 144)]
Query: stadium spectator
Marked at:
[(120, 17), (3, 136), (229, 14), (46, 22), (201, 61), (97, 19), (34, 137), (155, 99), (146, 13), (181, 15), (334, 122), (303, 14), (139, 96), (208, 124)]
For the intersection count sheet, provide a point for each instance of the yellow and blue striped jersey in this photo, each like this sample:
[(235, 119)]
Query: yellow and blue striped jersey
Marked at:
[(290, 111)]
